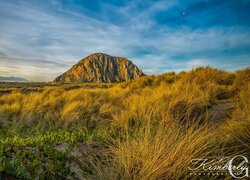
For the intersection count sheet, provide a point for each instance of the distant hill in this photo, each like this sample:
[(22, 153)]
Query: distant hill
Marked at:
[(12, 79), (101, 67)]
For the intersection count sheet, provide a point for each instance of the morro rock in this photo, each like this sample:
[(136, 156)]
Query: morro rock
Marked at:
[(101, 67)]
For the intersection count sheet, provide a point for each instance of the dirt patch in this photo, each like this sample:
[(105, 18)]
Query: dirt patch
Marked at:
[(221, 110)]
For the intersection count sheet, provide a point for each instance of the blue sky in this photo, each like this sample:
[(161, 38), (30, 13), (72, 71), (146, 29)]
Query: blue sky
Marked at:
[(39, 40)]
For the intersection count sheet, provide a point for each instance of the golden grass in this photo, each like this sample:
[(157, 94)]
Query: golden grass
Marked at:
[(157, 123), (164, 153), (237, 128)]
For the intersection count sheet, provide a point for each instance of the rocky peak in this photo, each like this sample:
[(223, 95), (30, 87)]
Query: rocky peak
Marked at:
[(100, 67)]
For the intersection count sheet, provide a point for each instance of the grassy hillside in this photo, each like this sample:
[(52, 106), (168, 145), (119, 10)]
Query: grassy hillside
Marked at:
[(149, 128)]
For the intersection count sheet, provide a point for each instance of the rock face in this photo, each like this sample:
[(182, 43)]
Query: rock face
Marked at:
[(101, 67)]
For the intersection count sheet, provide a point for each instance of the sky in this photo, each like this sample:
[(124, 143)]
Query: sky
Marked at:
[(39, 40)]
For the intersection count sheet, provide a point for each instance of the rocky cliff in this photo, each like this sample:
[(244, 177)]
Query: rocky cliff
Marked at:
[(101, 67)]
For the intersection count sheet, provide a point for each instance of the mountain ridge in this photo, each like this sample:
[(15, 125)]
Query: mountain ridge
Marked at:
[(12, 79)]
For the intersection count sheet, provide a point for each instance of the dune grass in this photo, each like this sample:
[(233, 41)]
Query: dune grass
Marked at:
[(149, 128)]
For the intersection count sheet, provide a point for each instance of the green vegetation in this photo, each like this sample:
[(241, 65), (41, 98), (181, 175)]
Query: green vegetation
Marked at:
[(149, 128), (33, 156)]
